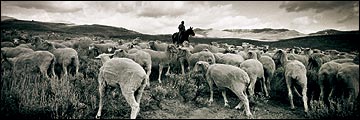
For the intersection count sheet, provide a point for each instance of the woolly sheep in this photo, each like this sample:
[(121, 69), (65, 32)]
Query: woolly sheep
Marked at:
[(42, 60), (348, 76), (65, 57), (269, 69), (162, 58), (10, 52), (7, 44), (255, 70), (226, 76), (185, 55), (157, 45), (127, 74), (295, 71), (141, 57), (228, 58)]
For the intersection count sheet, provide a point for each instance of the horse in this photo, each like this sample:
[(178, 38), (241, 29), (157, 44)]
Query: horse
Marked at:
[(184, 37)]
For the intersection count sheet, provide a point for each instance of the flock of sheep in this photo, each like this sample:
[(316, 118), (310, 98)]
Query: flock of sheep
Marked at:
[(128, 65)]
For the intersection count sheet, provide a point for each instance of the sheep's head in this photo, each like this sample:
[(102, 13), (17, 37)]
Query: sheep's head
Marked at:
[(201, 67), (279, 57), (119, 53), (252, 55), (172, 48), (308, 51), (135, 41), (121, 42), (183, 52), (46, 45), (186, 44), (91, 46)]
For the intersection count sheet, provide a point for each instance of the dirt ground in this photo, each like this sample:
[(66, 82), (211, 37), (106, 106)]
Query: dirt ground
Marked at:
[(267, 109)]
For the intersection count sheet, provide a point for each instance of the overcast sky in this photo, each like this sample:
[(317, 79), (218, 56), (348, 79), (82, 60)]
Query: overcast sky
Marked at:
[(163, 17)]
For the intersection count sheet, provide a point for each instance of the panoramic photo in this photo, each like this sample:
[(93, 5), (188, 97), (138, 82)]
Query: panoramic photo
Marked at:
[(179, 60)]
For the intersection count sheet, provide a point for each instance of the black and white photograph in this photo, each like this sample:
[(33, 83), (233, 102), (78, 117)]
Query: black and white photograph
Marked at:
[(179, 60)]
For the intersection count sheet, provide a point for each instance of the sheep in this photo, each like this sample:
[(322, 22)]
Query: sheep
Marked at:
[(211, 48), (127, 74), (65, 57), (186, 45), (7, 44), (269, 69), (141, 57), (185, 55), (10, 52), (157, 45), (42, 60), (226, 76), (228, 58), (162, 58), (104, 57), (27, 45), (103, 48), (348, 78), (295, 71), (255, 70)]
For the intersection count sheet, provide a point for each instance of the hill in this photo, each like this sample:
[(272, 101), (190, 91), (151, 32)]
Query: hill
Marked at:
[(339, 40)]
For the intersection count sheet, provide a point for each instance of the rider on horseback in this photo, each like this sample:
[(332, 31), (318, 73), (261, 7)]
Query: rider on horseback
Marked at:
[(181, 30)]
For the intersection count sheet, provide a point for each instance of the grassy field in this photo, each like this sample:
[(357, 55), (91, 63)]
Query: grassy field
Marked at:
[(27, 95)]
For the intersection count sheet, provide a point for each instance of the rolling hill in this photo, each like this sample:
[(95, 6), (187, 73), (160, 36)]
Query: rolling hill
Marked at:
[(339, 40)]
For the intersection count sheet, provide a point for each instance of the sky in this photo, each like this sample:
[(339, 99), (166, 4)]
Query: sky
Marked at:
[(163, 17)]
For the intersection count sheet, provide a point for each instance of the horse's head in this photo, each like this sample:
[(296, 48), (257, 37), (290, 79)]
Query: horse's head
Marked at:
[(190, 31)]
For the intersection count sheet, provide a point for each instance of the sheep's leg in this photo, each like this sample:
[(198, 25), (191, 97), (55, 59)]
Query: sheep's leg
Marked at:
[(268, 83), (140, 92), (182, 67), (211, 92), (264, 86), (77, 66), (130, 99), (43, 70), (160, 71), (304, 96), (65, 73), (148, 72), (288, 85), (239, 91), (321, 96), (53, 69), (168, 71), (225, 99), (101, 95), (251, 87)]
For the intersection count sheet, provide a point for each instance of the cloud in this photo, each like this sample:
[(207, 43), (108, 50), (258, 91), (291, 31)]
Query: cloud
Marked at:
[(305, 20), (349, 9), (49, 6)]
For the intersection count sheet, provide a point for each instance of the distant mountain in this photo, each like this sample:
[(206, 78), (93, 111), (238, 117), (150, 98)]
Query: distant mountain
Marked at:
[(331, 32), (266, 34), (95, 29), (3, 18)]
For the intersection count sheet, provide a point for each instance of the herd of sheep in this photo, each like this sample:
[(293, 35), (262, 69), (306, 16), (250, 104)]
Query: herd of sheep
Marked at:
[(128, 65)]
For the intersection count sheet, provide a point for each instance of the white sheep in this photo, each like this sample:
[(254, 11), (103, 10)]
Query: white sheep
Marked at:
[(255, 70), (141, 57), (127, 74), (295, 71), (157, 45), (65, 57), (42, 60), (185, 55), (10, 52), (226, 76), (348, 77), (162, 58), (269, 69), (228, 58)]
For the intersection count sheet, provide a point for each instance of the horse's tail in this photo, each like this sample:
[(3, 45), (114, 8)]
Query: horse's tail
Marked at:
[(174, 38)]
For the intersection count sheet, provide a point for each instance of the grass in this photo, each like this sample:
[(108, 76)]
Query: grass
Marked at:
[(29, 95)]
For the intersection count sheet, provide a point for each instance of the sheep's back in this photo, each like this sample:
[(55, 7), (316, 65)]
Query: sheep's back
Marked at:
[(225, 75), (123, 71), (252, 67), (295, 69)]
